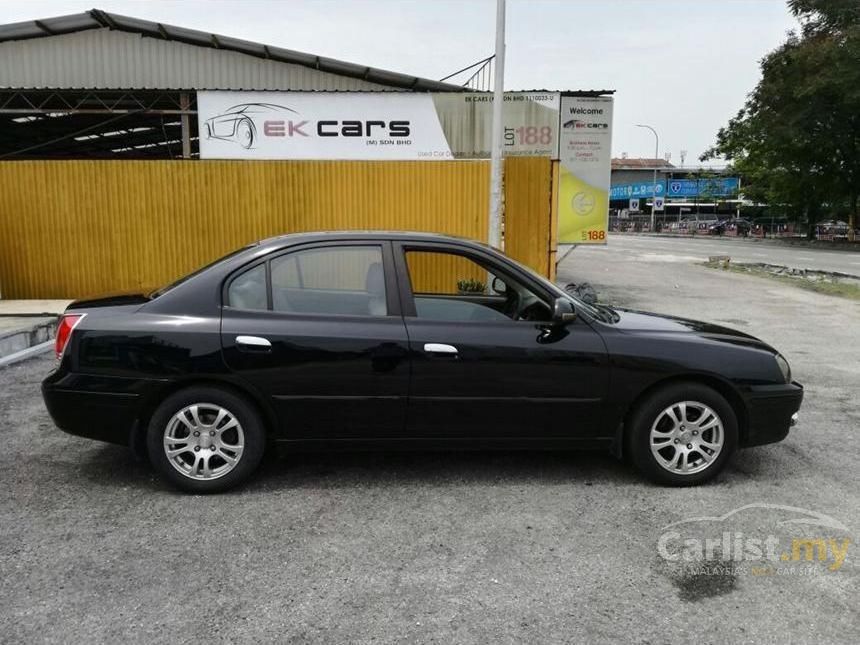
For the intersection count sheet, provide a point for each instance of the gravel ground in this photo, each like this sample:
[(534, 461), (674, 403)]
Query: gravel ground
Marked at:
[(441, 547)]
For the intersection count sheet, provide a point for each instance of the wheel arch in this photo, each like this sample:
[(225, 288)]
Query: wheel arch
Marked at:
[(151, 403), (721, 386)]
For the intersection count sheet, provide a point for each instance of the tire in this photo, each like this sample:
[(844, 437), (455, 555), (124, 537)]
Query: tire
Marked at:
[(227, 449), (701, 453), (245, 133)]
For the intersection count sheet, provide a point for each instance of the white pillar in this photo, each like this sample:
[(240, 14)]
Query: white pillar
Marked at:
[(494, 236)]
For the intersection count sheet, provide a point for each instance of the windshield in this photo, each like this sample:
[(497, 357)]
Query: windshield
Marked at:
[(176, 283)]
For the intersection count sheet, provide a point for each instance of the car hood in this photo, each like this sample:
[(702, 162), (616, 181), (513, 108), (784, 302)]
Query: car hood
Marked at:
[(644, 321)]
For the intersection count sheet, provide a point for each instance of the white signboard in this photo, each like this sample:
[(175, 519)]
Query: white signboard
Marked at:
[(529, 122), (634, 204), (317, 125), (584, 153)]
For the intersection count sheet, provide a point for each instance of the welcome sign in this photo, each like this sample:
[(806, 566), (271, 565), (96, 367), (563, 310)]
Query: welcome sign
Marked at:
[(585, 155)]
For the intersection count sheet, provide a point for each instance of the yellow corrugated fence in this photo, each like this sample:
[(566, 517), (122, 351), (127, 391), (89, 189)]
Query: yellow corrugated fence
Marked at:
[(528, 200), (71, 229)]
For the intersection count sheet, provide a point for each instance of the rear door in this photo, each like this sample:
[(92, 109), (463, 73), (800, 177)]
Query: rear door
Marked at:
[(317, 329), (486, 362)]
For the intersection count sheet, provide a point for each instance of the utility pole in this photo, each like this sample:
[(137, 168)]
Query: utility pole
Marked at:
[(656, 157), (494, 236)]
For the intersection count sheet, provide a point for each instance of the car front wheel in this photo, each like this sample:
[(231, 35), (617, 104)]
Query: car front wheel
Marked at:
[(245, 133), (682, 435), (205, 439)]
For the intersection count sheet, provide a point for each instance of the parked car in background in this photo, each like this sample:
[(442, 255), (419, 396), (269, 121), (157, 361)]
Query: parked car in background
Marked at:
[(697, 223), (738, 225), (370, 340), (832, 229)]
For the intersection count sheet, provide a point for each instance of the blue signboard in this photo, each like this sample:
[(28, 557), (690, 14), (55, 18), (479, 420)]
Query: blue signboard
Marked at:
[(641, 189), (720, 187)]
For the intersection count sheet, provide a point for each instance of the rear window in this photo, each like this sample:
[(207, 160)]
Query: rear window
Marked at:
[(176, 283)]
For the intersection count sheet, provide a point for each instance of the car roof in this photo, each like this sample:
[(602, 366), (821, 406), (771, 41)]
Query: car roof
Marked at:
[(367, 235), (195, 291)]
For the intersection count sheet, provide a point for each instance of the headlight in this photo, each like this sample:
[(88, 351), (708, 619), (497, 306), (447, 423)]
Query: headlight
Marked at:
[(784, 368)]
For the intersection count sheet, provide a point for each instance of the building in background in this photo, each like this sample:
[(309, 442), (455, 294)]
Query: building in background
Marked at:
[(101, 85), (138, 132), (686, 192)]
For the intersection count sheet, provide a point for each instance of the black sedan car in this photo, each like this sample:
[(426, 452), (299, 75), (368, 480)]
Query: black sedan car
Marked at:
[(741, 227), (367, 340)]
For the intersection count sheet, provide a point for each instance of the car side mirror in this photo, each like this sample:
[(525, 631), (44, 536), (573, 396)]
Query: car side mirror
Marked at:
[(499, 286), (563, 311)]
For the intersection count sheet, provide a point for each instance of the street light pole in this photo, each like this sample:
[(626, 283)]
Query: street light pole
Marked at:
[(656, 156)]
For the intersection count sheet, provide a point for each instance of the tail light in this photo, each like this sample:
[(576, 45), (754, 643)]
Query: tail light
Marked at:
[(65, 327)]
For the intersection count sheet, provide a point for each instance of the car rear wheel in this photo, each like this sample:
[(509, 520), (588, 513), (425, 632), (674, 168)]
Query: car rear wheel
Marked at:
[(682, 435), (205, 439)]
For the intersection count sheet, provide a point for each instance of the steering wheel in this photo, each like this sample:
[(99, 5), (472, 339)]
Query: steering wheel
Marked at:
[(531, 308)]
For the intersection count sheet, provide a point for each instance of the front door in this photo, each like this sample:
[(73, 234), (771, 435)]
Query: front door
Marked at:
[(485, 361), (318, 331)]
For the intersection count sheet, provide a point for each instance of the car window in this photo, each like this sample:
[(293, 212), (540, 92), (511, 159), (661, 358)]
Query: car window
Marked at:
[(342, 280), (248, 289), (458, 288), (185, 278)]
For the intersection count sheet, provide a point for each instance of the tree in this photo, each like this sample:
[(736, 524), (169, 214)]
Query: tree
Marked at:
[(796, 141)]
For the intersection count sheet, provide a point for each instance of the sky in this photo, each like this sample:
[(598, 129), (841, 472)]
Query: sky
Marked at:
[(681, 66)]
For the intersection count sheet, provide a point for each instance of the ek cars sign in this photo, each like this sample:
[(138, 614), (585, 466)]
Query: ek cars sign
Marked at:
[(315, 125), (373, 125)]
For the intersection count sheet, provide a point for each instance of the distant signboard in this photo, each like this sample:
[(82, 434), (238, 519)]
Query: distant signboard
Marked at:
[(639, 189), (720, 187)]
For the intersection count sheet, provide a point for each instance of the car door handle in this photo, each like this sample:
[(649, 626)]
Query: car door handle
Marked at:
[(440, 348), (253, 343)]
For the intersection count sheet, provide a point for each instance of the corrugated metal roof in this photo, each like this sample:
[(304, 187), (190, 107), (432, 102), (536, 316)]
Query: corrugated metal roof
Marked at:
[(637, 163), (103, 50)]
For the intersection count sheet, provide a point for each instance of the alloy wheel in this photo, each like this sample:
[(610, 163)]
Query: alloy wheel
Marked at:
[(204, 441), (687, 437)]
